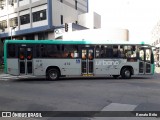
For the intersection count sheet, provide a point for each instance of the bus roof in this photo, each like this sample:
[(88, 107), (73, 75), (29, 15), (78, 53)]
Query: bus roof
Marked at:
[(73, 42)]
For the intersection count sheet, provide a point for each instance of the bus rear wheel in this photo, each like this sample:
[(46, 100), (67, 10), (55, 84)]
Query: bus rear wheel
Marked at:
[(53, 74), (126, 73)]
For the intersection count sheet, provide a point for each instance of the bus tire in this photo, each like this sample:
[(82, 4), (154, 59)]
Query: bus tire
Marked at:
[(53, 74), (126, 73)]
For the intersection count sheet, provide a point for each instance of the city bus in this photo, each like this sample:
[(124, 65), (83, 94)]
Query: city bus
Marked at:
[(57, 58)]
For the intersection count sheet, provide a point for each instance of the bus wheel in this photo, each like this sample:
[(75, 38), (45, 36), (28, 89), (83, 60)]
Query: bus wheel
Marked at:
[(115, 76), (53, 74), (126, 73)]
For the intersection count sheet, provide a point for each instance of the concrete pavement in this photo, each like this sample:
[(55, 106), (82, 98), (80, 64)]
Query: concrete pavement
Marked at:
[(1, 71), (122, 107), (105, 94), (157, 70)]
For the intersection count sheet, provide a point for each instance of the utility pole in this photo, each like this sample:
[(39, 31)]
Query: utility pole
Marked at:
[(12, 28)]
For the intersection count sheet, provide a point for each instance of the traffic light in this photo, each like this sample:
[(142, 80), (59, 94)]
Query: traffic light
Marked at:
[(66, 27)]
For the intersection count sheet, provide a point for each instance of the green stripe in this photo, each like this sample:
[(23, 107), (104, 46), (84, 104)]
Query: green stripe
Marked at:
[(153, 68), (73, 42), (5, 56), (47, 42)]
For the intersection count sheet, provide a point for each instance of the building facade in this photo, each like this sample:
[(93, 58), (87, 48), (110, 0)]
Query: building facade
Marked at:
[(37, 19), (98, 34), (156, 42)]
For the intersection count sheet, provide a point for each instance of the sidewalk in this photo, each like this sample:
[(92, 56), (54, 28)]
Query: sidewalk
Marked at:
[(1, 71), (157, 70)]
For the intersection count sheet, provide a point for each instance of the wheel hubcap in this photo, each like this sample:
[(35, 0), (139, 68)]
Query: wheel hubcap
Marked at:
[(53, 75), (127, 73)]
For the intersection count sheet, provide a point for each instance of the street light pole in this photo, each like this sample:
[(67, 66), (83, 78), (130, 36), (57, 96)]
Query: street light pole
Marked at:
[(11, 30)]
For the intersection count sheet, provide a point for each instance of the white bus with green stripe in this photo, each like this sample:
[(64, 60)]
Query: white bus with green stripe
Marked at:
[(56, 58)]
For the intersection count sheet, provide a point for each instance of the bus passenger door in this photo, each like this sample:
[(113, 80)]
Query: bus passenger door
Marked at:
[(25, 60), (87, 61), (145, 61), (148, 65)]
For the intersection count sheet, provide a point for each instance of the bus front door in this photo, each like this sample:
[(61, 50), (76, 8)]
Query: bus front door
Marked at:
[(145, 61), (87, 61), (25, 60)]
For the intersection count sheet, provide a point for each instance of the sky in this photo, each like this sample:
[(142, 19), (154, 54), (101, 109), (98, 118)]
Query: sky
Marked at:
[(138, 16)]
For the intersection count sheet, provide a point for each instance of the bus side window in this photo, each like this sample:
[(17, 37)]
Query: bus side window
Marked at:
[(91, 55), (44, 51), (37, 51), (84, 52), (109, 52), (11, 50), (102, 52), (70, 51), (115, 51), (69, 55), (121, 53), (97, 52), (53, 51)]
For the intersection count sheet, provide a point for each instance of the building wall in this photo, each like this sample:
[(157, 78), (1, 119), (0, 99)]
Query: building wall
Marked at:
[(155, 40), (19, 9), (54, 10), (67, 10), (98, 34), (97, 20), (90, 20), (156, 35), (64, 10), (81, 5)]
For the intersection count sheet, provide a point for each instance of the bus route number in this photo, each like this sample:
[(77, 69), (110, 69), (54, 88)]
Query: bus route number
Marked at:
[(67, 63), (38, 60)]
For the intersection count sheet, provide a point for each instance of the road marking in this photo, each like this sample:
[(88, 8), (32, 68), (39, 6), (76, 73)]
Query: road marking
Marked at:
[(10, 77), (121, 107)]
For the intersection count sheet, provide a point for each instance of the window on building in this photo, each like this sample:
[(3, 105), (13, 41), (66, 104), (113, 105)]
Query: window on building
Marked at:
[(29, 37), (39, 15), (13, 22), (61, 19), (11, 2), (2, 3), (3, 24), (42, 36), (24, 19)]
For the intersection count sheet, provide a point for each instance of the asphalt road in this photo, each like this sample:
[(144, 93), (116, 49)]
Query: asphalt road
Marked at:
[(79, 94)]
